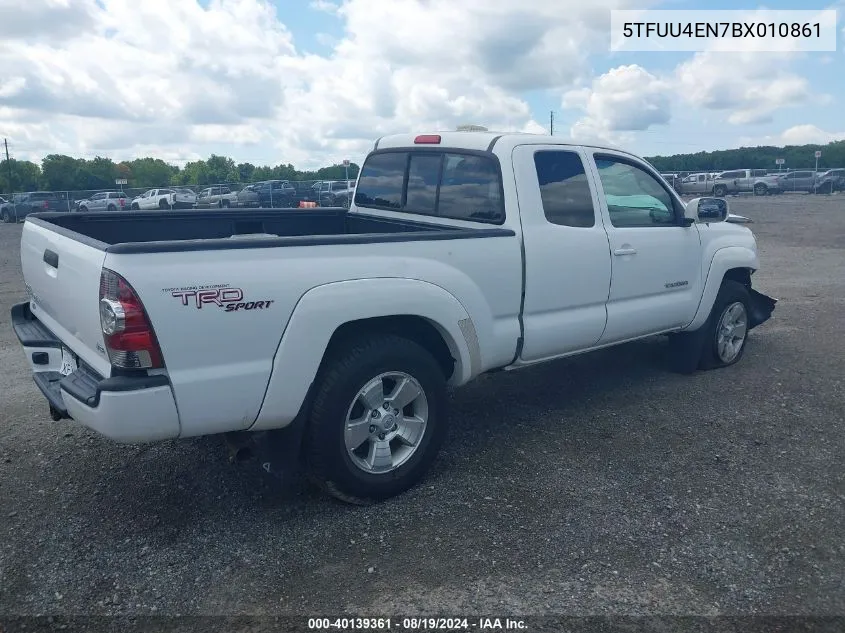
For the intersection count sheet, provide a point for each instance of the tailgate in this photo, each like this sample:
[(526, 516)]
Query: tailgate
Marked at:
[(62, 277)]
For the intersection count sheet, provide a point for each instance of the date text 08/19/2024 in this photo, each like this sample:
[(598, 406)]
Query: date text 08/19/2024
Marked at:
[(416, 624)]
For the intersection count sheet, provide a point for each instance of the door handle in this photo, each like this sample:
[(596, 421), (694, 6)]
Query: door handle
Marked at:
[(625, 251)]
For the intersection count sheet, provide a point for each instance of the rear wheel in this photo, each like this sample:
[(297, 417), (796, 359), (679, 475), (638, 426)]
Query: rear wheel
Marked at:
[(83, 209), (224, 204), (7, 217), (720, 190), (378, 419), (760, 189), (111, 207), (163, 204), (135, 207)]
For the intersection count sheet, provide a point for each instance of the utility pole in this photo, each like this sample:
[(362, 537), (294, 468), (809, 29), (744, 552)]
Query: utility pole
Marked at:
[(552, 123), (8, 163)]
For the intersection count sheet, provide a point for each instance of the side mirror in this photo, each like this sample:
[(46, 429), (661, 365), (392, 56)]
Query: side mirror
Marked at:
[(707, 210)]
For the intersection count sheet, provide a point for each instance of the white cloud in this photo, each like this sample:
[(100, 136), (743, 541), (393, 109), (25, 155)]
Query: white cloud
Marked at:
[(748, 87), (625, 99), (809, 134), (804, 134), (119, 77)]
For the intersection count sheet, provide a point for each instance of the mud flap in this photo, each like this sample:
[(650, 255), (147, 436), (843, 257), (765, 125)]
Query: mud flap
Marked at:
[(279, 454), (761, 307), (686, 348)]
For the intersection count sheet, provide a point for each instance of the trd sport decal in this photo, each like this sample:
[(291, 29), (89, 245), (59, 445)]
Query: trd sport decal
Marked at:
[(224, 297)]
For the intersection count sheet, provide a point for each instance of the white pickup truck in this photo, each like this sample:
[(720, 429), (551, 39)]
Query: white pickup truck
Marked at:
[(332, 334)]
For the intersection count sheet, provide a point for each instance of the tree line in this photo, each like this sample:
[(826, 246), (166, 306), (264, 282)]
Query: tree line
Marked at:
[(763, 157), (58, 172)]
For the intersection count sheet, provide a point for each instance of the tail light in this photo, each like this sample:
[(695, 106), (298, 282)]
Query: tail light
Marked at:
[(128, 335)]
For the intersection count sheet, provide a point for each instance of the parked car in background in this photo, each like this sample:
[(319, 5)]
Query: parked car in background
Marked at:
[(22, 204), (696, 184), (335, 193), (247, 197), (800, 180), (830, 181), (3, 200), (275, 194), (756, 181), (304, 191), (104, 201), (220, 196), (165, 199)]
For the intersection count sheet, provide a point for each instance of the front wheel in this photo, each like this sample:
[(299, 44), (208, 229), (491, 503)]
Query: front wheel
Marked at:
[(720, 191), (135, 207), (378, 419), (7, 218), (83, 209), (727, 327)]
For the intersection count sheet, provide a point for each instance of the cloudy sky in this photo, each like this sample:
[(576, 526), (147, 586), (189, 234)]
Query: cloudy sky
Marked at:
[(312, 82)]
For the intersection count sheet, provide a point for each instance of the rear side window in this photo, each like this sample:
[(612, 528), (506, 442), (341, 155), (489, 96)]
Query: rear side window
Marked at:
[(444, 184), (564, 189)]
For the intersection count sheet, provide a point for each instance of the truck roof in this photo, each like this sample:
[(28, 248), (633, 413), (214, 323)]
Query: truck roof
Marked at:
[(483, 141)]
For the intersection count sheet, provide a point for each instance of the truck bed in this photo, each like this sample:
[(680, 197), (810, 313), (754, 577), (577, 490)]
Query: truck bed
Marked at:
[(168, 231)]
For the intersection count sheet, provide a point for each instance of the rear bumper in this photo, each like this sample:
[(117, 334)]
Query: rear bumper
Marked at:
[(128, 409)]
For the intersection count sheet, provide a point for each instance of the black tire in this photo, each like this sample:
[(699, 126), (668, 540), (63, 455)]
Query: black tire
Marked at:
[(345, 372), (760, 189), (163, 204), (224, 204), (7, 218), (111, 207), (135, 207), (83, 209), (730, 293), (720, 191)]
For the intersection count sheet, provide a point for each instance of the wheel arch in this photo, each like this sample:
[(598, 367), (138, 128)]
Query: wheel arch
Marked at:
[(736, 263), (330, 314)]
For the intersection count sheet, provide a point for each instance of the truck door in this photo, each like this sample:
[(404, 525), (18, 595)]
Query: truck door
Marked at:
[(656, 262), (567, 262)]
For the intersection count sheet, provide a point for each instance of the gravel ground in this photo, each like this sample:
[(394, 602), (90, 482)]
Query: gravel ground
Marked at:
[(602, 484)]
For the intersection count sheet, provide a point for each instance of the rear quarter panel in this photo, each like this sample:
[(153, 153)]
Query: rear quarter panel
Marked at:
[(220, 362)]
